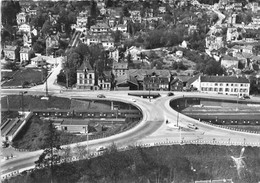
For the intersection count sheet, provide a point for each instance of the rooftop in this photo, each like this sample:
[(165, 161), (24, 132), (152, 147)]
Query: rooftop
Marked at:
[(224, 79)]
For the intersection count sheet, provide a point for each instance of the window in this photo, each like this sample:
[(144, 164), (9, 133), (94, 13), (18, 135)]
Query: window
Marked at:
[(227, 84), (216, 84), (216, 89), (65, 128), (232, 84), (221, 84), (241, 84), (90, 76), (227, 90), (80, 81), (235, 90), (90, 81), (220, 89)]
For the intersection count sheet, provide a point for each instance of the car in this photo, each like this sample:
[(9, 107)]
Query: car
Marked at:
[(192, 126), (101, 96), (246, 97), (101, 149), (242, 98), (133, 100), (170, 94)]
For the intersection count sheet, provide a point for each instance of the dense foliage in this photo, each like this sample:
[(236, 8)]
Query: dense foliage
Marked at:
[(177, 163)]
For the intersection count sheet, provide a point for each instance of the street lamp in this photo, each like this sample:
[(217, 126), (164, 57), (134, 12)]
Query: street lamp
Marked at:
[(22, 104)]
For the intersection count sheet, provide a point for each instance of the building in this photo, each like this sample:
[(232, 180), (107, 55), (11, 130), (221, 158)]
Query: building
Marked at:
[(228, 85), (27, 39), (104, 81), (25, 54), (10, 52), (113, 53), (38, 61), (105, 40), (82, 21), (100, 29), (26, 28), (176, 85), (21, 18), (119, 68), (126, 82), (135, 16), (155, 83), (121, 28), (52, 41), (228, 61), (85, 76)]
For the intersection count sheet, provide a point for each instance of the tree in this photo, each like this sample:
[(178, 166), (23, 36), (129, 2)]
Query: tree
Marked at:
[(9, 10), (50, 155), (93, 9), (46, 27)]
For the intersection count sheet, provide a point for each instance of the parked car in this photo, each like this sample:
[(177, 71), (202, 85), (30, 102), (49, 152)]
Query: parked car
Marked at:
[(101, 96), (170, 94), (101, 149), (133, 100), (246, 97)]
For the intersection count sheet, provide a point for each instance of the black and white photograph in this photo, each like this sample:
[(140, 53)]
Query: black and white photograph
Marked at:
[(130, 91)]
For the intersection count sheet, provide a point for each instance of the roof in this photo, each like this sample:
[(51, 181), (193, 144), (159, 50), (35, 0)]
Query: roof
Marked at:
[(120, 65), (224, 79), (85, 65), (25, 49), (159, 80), (126, 78), (10, 47), (194, 78), (99, 25), (227, 57)]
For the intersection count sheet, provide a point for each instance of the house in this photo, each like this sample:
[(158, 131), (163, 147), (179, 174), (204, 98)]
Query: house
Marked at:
[(119, 68), (25, 54), (135, 16), (232, 34), (104, 81), (176, 85), (100, 29), (134, 52), (38, 61), (52, 41), (102, 11), (27, 39), (113, 53), (111, 21), (26, 28), (121, 27), (10, 52), (228, 61), (85, 76), (106, 40), (162, 9), (255, 7), (126, 82), (228, 85), (179, 53), (21, 18), (82, 21), (153, 82)]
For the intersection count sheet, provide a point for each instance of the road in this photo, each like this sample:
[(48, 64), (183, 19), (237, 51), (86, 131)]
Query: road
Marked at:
[(150, 130)]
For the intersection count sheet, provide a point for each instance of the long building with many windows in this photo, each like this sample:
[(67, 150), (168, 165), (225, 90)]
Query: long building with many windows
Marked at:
[(227, 85)]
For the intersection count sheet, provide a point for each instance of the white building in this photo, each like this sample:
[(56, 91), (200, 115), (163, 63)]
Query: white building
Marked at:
[(25, 54), (24, 28), (227, 85), (85, 76)]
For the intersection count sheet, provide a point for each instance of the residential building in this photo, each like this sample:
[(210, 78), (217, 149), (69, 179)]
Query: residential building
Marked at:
[(214, 43), (155, 83), (228, 85), (10, 52), (38, 61), (113, 53), (176, 85), (25, 54), (135, 16), (27, 39), (82, 21), (255, 7), (104, 81), (21, 18), (232, 34), (52, 41), (126, 82), (100, 29), (119, 68), (162, 9), (228, 61), (106, 40), (85, 76), (26, 28), (120, 27)]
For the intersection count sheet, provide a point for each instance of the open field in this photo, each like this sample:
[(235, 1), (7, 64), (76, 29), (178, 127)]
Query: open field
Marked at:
[(25, 75)]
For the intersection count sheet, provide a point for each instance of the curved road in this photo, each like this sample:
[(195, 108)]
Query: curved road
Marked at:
[(151, 129)]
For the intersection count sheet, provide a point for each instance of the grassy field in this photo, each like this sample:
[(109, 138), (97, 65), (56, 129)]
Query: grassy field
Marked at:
[(34, 102), (25, 75)]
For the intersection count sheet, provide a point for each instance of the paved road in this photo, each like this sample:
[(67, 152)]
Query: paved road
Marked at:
[(152, 128)]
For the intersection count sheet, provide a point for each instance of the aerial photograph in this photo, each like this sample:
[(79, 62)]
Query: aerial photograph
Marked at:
[(130, 91)]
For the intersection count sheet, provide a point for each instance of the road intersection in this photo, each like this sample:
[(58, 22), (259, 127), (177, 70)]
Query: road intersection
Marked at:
[(152, 128)]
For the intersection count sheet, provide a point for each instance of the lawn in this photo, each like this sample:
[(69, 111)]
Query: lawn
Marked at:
[(34, 102), (30, 75)]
